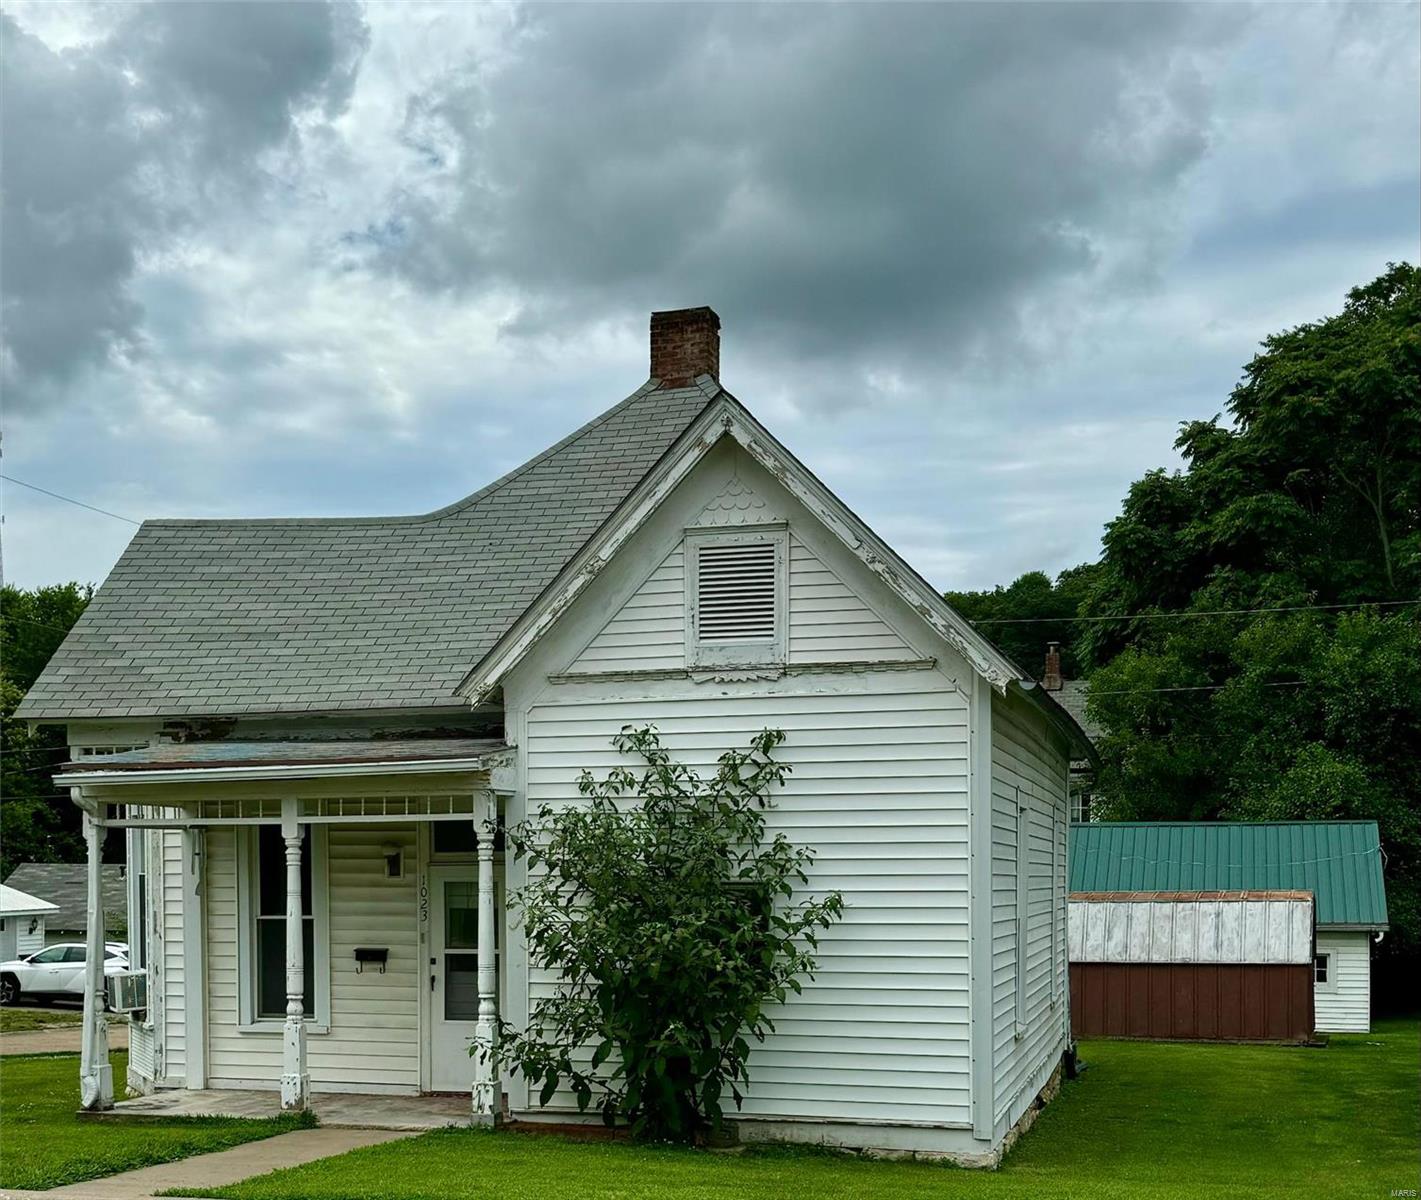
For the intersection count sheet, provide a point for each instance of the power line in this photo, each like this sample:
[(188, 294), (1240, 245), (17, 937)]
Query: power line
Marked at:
[(1203, 687), (36, 624), (69, 499), (1208, 612)]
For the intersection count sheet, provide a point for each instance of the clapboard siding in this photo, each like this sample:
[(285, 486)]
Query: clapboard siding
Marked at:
[(879, 789), (373, 1037), (649, 631), (1028, 798), (828, 621), (170, 843), (1344, 1004)]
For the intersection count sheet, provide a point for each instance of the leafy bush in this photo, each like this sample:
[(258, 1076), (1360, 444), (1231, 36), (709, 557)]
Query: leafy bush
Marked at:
[(669, 916)]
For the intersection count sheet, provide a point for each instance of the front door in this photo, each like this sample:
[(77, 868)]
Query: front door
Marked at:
[(454, 973)]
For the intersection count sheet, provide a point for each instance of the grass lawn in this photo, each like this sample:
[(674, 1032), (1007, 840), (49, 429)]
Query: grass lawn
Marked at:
[(22, 1020), (1146, 1120), (44, 1144)]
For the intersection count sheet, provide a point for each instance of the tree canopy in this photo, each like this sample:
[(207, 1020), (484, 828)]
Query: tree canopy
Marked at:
[(1034, 610), (1307, 502), (37, 823)]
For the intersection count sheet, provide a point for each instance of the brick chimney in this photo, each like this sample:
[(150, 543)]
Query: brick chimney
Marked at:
[(685, 343), (1051, 680)]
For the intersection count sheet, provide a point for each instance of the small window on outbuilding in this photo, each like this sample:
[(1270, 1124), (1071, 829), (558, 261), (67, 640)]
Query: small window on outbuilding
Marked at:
[(1322, 968), (736, 597)]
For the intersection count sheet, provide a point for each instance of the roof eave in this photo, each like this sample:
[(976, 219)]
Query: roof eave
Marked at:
[(225, 774), (1060, 716)]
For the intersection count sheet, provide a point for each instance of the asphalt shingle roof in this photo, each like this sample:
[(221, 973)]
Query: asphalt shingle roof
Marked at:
[(1340, 862), (231, 617), (66, 885), (1072, 696)]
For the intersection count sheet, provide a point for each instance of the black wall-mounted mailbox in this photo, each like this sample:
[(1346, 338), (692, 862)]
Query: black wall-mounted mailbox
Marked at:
[(374, 955)]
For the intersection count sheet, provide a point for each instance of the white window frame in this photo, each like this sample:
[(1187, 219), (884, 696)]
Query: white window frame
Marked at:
[(1329, 969), (320, 968), (771, 652), (1081, 805)]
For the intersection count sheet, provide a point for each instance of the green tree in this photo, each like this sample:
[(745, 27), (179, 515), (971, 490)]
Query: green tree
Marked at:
[(37, 822), (669, 914), (1033, 610), (1310, 497)]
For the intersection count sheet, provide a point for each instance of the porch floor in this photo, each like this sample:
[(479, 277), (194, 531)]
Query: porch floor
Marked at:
[(334, 1110)]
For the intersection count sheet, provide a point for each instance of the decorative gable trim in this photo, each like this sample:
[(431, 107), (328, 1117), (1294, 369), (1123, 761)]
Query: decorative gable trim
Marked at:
[(727, 417), (739, 504)]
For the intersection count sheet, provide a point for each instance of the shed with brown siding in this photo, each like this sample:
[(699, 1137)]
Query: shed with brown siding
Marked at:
[(1192, 966)]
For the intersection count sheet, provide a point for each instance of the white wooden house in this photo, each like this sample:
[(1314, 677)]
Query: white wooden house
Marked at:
[(305, 723), (21, 922)]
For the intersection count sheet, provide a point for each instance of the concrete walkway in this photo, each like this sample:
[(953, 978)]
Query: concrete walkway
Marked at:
[(61, 1039), (223, 1167)]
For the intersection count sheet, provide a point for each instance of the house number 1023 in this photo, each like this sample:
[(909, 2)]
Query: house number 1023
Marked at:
[(423, 900)]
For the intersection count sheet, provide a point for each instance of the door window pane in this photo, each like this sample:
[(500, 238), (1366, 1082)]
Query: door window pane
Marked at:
[(74, 954), (461, 915), (461, 987)]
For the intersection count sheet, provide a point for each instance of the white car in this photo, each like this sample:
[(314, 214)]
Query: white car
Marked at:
[(56, 972)]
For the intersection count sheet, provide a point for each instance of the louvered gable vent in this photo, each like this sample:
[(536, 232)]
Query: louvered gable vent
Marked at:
[(736, 586)]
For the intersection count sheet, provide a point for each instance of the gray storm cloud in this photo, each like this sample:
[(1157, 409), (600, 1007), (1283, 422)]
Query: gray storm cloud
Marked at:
[(975, 261), (113, 149), (847, 179)]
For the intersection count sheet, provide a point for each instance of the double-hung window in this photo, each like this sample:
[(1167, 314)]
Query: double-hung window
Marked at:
[(262, 888), (736, 593)]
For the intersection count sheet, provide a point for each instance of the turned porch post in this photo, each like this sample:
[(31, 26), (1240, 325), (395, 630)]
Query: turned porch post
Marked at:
[(486, 1098), (95, 1074), (295, 1081)]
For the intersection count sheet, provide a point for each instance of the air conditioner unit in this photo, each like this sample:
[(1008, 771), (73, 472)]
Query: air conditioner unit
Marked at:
[(127, 992)]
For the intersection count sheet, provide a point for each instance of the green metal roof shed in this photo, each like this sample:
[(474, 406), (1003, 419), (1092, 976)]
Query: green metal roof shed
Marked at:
[(1340, 862)]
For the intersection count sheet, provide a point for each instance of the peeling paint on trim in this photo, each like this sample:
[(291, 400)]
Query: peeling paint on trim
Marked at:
[(860, 667), (727, 417)]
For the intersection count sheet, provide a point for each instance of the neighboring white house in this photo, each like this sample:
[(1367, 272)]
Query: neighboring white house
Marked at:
[(325, 713), (65, 887), (21, 922)]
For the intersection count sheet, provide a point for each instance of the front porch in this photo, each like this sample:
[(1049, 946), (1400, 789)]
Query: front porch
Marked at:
[(368, 867), (333, 1109)]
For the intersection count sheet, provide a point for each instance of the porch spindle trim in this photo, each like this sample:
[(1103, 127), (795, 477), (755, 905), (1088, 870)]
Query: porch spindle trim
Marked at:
[(485, 1097), (295, 1079)]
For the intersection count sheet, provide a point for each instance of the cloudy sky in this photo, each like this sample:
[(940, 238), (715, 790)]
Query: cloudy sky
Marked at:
[(974, 263)]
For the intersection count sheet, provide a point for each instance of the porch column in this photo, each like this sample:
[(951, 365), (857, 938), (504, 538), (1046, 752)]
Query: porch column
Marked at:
[(295, 1081), (95, 1074), (486, 1099)]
